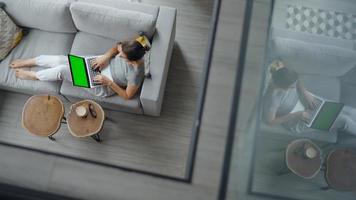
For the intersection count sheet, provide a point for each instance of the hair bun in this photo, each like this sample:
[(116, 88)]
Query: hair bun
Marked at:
[(275, 66), (144, 41)]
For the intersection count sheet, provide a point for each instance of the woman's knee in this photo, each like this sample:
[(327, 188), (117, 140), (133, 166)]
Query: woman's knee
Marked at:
[(340, 123), (64, 73), (346, 123)]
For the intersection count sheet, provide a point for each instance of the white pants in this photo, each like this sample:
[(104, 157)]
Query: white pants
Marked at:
[(346, 121), (57, 68)]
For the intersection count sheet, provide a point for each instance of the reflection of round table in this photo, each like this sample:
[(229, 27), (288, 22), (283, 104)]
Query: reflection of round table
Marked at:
[(42, 115), (298, 163), (341, 170), (89, 126)]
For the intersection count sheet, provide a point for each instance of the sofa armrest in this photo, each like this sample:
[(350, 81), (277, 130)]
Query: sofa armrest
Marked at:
[(161, 51)]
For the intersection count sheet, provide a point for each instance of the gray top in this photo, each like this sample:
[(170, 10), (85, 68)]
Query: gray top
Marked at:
[(123, 74), (282, 101)]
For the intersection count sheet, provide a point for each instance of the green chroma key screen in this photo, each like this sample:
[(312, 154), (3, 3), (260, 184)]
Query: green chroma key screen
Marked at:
[(78, 71), (327, 115)]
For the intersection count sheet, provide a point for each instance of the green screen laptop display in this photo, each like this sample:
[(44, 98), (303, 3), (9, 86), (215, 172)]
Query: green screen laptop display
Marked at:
[(327, 116), (79, 71)]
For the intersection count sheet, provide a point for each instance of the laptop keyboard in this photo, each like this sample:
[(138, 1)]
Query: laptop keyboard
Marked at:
[(92, 72)]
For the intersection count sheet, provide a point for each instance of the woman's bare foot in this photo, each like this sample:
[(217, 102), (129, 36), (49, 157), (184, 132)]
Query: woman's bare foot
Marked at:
[(27, 75), (23, 63)]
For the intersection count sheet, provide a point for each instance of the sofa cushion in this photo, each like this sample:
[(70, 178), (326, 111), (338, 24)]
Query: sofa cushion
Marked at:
[(41, 14), (110, 22), (36, 43), (113, 102), (10, 34), (325, 87), (309, 58), (126, 5), (87, 44)]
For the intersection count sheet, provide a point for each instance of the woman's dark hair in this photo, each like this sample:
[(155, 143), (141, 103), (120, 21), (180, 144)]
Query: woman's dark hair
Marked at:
[(133, 50), (284, 77)]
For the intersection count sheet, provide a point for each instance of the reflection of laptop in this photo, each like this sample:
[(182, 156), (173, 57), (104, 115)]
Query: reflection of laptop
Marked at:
[(82, 71), (323, 117)]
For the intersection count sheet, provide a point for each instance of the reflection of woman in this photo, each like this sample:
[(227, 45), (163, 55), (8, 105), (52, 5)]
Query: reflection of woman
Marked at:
[(287, 102), (124, 61)]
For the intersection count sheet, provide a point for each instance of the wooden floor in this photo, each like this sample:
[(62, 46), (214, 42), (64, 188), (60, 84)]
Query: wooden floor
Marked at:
[(245, 133), (157, 145)]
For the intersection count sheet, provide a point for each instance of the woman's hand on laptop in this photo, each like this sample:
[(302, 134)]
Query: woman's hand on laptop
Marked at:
[(302, 115), (312, 102), (101, 62), (103, 80)]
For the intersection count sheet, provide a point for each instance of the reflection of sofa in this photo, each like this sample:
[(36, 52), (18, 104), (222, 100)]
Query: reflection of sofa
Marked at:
[(86, 28), (327, 71)]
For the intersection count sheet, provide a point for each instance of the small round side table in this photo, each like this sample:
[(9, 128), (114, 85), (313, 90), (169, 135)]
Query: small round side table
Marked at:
[(341, 170), (299, 163), (42, 115), (88, 126)]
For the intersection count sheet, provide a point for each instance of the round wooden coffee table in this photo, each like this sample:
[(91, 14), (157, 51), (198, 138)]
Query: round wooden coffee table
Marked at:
[(42, 115), (341, 170), (297, 161), (91, 125)]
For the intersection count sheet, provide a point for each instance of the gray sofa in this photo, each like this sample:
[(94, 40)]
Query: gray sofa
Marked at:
[(326, 70), (89, 27)]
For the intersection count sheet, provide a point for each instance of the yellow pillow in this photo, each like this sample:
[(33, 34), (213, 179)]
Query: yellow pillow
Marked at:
[(10, 34)]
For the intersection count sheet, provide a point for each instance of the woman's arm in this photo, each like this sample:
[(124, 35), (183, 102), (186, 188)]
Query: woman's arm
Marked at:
[(271, 106), (307, 98), (126, 94), (111, 52), (271, 119), (102, 61)]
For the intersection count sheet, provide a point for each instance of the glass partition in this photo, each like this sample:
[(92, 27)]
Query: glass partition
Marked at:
[(294, 136)]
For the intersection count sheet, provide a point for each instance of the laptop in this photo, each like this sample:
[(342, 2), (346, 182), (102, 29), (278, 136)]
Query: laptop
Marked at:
[(82, 71), (323, 117)]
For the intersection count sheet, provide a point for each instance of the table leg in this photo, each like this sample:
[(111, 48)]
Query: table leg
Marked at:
[(96, 137), (323, 167), (109, 119), (51, 138), (326, 188), (64, 120), (66, 98)]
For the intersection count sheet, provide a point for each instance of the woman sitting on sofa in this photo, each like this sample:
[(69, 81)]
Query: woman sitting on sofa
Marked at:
[(125, 61), (287, 102)]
